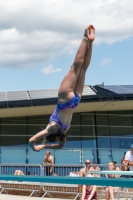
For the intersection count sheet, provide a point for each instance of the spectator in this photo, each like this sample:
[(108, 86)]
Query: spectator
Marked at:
[(111, 167), (115, 166), (129, 158), (125, 167), (86, 170), (18, 172), (76, 174), (123, 158), (89, 192), (49, 160), (95, 168), (110, 190), (55, 174)]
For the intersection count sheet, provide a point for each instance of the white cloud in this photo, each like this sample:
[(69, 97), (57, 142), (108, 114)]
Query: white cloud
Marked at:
[(49, 70), (33, 33), (106, 62)]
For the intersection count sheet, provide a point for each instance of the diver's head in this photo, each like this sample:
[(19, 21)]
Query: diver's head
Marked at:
[(56, 137)]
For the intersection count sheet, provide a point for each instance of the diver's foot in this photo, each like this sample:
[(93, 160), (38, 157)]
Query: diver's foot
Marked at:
[(89, 34)]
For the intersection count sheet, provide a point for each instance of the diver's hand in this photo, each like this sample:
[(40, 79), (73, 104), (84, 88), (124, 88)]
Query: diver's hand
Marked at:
[(36, 147)]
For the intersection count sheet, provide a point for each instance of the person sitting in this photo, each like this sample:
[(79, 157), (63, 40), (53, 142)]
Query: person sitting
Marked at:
[(74, 174), (85, 170), (77, 173), (95, 168), (116, 167), (110, 190), (55, 174), (89, 192), (125, 167), (18, 172)]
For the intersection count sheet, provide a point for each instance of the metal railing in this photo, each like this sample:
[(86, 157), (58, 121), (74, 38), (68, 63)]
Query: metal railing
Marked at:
[(20, 169), (48, 188), (62, 170)]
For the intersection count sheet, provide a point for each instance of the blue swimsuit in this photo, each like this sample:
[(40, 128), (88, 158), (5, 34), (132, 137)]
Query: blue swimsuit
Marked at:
[(73, 103)]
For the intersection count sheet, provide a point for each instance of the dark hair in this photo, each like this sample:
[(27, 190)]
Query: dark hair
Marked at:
[(123, 158), (125, 153), (59, 136), (115, 162), (94, 163)]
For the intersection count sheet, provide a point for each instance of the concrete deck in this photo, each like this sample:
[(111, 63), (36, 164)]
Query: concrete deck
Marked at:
[(17, 197)]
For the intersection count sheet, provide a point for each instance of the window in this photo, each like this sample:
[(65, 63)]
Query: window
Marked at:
[(104, 156), (13, 155), (121, 129), (88, 130), (102, 130), (73, 135), (36, 124), (87, 155), (14, 131), (117, 155), (67, 156)]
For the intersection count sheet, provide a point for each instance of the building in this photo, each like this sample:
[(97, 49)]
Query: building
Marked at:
[(101, 128)]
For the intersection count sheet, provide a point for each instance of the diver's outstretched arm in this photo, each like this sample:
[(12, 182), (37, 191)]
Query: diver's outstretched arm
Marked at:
[(36, 137), (44, 134), (47, 146)]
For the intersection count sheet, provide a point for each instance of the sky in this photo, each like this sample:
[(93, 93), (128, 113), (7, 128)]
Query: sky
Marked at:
[(39, 40)]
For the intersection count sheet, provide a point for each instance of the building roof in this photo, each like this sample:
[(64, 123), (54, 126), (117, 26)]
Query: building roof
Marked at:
[(97, 93)]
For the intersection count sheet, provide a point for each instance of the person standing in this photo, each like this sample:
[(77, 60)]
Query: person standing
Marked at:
[(48, 161), (129, 158)]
